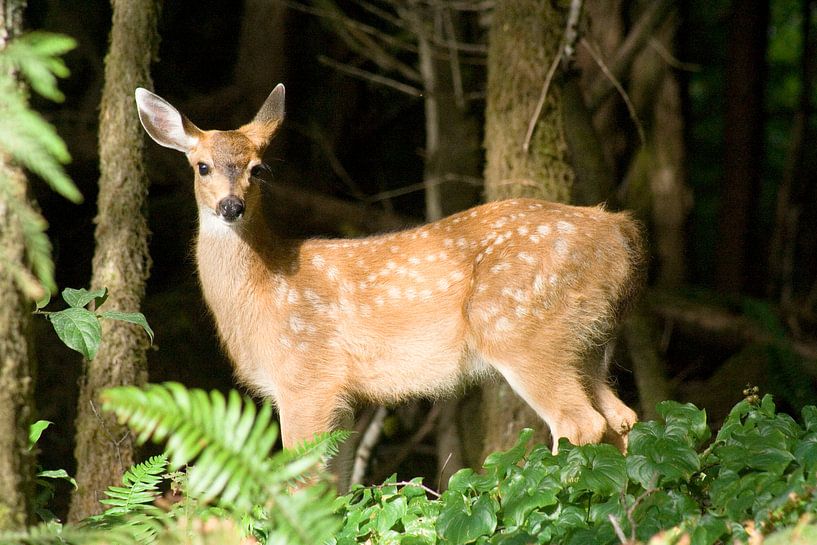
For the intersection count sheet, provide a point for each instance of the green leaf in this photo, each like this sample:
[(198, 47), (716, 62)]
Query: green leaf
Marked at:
[(391, 512), (35, 431), (60, 474), (131, 317), (498, 462), (599, 469), (685, 421), (81, 297), (79, 329), (43, 301), (461, 522)]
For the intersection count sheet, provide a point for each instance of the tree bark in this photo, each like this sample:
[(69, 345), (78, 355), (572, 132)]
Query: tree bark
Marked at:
[(121, 261), (16, 356), (739, 262), (524, 39)]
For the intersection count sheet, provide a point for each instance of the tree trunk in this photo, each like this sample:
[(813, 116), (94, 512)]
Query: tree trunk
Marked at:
[(523, 40), (121, 262), (736, 265), (16, 362)]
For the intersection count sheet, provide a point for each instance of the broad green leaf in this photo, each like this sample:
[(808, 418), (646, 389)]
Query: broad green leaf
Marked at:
[(500, 461), (57, 474), (35, 431), (131, 317), (79, 298), (79, 329), (460, 522), (598, 469), (467, 479), (391, 512), (43, 301), (685, 421)]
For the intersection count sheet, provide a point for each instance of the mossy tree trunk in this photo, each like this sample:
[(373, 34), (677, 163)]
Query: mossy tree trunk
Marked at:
[(121, 261), (524, 38), (16, 363)]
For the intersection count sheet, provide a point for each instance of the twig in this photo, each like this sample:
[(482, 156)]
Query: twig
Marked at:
[(409, 483), (617, 84), (370, 76), (456, 72), (412, 443), (367, 443), (652, 16), (670, 59), (405, 190), (617, 528), (541, 102), (565, 54)]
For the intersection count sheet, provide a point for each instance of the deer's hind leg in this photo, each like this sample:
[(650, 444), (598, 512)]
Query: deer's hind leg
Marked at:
[(549, 378), (620, 418)]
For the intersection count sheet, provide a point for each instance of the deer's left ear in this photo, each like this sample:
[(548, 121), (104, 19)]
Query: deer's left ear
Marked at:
[(268, 119)]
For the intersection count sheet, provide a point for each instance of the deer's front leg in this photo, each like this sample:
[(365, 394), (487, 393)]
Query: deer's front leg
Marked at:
[(302, 416)]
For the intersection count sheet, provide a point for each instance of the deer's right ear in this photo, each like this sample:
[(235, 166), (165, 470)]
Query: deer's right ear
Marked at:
[(164, 123)]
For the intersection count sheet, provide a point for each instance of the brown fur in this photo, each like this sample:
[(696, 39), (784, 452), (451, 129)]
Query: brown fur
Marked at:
[(528, 288)]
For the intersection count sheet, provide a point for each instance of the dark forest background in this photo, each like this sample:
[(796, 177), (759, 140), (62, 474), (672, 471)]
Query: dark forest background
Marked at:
[(733, 272)]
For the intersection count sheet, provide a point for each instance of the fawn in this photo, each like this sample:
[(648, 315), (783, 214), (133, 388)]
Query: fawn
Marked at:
[(527, 288)]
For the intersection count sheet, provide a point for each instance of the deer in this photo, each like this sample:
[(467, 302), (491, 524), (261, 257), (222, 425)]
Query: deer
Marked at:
[(527, 289)]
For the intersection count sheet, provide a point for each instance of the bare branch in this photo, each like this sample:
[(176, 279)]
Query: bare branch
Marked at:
[(456, 72), (624, 96), (541, 102), (360, 39), (370, 76), (405, 190), (565, 54), (367, 443), (653, 15), (670, 59)]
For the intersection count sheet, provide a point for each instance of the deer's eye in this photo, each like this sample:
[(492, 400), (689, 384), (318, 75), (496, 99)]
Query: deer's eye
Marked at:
[(204, 169), (258, 170)]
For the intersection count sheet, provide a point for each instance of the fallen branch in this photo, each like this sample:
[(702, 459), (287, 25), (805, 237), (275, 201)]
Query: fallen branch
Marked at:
[(729, 327)]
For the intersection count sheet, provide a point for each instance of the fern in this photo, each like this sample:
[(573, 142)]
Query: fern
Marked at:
[(229, 443), (141, 487), (55, 533), (27, 140)]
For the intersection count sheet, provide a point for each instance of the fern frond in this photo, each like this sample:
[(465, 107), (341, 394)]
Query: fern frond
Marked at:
[(141, 486), (229, 441), (37, 56), (53, 533)]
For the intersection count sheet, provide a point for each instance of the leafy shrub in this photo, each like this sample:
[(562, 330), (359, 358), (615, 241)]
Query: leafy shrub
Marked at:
[(756, 476), (757, 480)]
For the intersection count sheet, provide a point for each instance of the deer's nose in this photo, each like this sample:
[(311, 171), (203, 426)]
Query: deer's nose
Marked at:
[(230, 208)]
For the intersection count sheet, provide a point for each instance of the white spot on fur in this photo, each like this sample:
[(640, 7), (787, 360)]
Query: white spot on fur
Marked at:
[(526, 257), (414, 260), (394, 249), (318, 261), (523, 231), (448, 243), (560, 247), (442, 284), (292, 296), (534, 239), (379, 301), (503, 324), (425, 295), (394, 292), (538, 283), (499, 267), (543, 230), (457, 276), (565, 227), (332, 272)]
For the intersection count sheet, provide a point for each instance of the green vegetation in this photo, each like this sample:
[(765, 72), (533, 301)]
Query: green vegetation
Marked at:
[(27, 140), (758, 477)]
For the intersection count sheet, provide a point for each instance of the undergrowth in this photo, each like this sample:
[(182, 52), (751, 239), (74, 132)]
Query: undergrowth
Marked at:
[(220, 482)]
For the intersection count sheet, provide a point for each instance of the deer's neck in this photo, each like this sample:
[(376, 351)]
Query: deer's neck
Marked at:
[(236, 262)]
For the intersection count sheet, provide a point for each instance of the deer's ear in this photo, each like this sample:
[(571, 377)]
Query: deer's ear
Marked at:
[(164, 123), (268, 119)]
